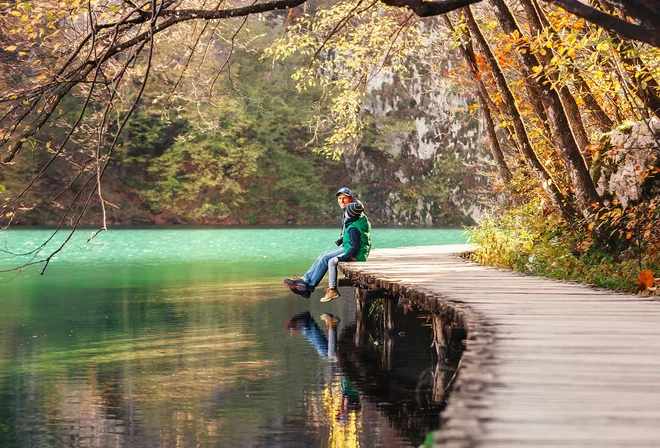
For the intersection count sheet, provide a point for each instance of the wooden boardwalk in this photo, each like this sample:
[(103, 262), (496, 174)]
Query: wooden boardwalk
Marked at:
[(547, 363)]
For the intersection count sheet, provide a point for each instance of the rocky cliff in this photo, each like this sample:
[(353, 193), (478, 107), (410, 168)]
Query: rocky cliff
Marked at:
[(627, 166), (420, 158)]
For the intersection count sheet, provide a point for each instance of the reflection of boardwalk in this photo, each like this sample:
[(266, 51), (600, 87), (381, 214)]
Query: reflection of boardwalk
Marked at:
[(406, 383), (547, 362)]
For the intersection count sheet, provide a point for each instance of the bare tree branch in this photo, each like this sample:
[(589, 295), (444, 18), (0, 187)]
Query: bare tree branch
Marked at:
[(426, 9), (648, 31)]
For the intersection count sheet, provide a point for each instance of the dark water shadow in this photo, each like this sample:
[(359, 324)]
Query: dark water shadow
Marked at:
[(404, 375), (407, 374)]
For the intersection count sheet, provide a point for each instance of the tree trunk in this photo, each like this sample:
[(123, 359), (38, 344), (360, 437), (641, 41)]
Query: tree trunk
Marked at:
[(482, 95), (567, 210), (574, 119), (571, 107), (642, 10), (644, 27), (598, 115), (493, 141), (585, 191)]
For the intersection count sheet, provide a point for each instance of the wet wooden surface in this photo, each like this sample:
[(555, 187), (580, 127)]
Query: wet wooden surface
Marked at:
[(547, 363)]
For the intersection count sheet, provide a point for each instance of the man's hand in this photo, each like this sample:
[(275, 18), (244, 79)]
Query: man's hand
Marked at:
[(340, 241), (335, 260)]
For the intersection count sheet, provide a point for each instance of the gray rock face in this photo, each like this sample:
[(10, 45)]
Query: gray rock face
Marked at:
[(622, 172), (416, 164)]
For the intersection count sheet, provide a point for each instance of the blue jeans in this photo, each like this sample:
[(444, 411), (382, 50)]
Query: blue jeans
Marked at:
[(320, 267), (332, 273)]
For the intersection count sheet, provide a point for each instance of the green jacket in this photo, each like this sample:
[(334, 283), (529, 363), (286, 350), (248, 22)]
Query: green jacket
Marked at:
[(364, 227)]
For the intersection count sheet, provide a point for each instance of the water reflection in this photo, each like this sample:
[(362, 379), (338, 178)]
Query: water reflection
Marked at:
[(375, 372), (398, 374), (138, 392), (347, 408), (196, 365)]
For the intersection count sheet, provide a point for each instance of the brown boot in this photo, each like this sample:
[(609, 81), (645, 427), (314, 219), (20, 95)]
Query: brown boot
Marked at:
[(330, 294), (330, 320)]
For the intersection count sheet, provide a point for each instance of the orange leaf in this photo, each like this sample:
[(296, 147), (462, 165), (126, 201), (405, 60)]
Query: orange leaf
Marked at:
[(646, 278)]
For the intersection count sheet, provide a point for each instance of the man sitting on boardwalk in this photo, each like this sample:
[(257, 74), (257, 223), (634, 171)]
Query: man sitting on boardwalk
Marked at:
[(356, 242)]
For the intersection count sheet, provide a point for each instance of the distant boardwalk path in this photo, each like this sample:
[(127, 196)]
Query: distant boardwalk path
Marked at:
[(548, 363)]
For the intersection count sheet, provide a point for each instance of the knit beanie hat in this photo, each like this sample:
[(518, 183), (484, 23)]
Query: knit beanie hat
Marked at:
[(354, 209)]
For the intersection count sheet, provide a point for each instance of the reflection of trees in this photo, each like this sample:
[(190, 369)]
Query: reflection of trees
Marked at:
[(143, 391), (386, 368), (134, 367), (330, 408), (336, 406), (184, 370), (398, 375)]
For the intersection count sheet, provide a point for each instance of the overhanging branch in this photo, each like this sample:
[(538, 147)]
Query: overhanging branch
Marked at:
[(210, 14), (427, 9), (648, 31)]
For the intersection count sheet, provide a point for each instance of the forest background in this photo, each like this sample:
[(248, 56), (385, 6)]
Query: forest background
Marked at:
[(235, 113)]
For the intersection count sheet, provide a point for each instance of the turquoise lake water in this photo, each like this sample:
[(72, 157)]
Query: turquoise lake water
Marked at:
[(181, 337)]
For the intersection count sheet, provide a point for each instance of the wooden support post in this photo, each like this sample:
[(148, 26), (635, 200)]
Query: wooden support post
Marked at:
[(456, 336), (439, 336), (440, 381), (390, 310), (361, 302), (388, 349), (361, 316)]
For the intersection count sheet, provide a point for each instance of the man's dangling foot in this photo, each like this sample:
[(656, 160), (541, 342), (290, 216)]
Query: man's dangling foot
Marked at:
[(330, 294), (305, 294), (296, 284)]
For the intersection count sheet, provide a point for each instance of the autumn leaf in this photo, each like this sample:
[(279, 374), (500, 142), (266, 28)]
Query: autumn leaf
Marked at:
[(646, 278), (603, 46)]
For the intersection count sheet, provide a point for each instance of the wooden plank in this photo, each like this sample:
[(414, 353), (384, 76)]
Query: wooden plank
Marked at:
[(547, 363)]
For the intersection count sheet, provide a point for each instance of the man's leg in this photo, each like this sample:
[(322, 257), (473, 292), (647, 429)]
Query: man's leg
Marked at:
[(317, 271), (332, 273), (331, 293)]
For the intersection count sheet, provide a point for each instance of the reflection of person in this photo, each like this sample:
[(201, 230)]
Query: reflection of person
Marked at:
[(303, 323), (350, 399), (305, 285)]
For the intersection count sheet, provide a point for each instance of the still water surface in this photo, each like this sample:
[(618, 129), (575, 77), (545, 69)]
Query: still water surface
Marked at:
[(187, 337)]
